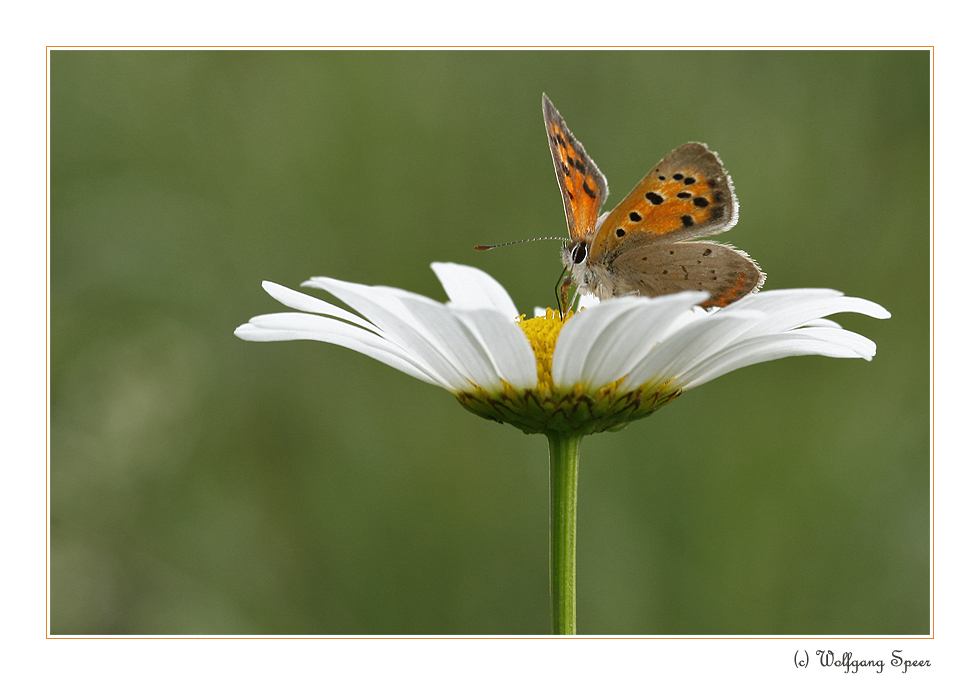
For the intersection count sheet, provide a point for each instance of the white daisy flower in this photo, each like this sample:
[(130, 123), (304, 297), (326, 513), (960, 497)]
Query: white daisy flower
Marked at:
[(608, 364)]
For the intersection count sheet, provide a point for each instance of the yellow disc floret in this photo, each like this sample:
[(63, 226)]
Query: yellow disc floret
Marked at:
[(542, 332)]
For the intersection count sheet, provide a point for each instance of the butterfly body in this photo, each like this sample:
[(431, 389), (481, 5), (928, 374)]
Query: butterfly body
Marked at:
[(642, 246)]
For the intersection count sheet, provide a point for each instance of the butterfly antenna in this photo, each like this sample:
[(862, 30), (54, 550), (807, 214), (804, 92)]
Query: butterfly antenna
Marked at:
[(515, 242)]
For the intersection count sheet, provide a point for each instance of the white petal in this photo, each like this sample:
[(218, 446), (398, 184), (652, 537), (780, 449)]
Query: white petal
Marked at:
[(470, 288), (689, 345), (385, 307), (506, 344), (578, 337), (698, 341), (456, 342), (601, 343), (787, 309), (296, 326), (307, 303), (825, 323), (440, 337), (828, 342), (586, 300)]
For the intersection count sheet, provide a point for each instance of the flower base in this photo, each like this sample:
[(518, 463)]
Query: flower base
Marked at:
[(572, 412)]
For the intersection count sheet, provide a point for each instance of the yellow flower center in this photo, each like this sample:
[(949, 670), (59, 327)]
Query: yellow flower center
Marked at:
[(542, 332)]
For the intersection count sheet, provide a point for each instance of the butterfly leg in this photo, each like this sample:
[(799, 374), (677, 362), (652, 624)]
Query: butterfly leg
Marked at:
[(561, 292)]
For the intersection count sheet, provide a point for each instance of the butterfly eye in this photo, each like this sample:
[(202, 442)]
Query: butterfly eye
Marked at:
[(579, 253)]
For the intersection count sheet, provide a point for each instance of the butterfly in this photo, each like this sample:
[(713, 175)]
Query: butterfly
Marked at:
[(640, 248)]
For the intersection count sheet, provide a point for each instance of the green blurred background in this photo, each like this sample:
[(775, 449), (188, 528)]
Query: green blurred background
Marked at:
[(201, 484)]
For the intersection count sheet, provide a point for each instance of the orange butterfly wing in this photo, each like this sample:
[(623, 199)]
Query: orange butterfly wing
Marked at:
[(687, 195), (583, 187)]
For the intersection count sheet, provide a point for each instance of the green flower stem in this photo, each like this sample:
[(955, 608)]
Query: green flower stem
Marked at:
[(564, 500)]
